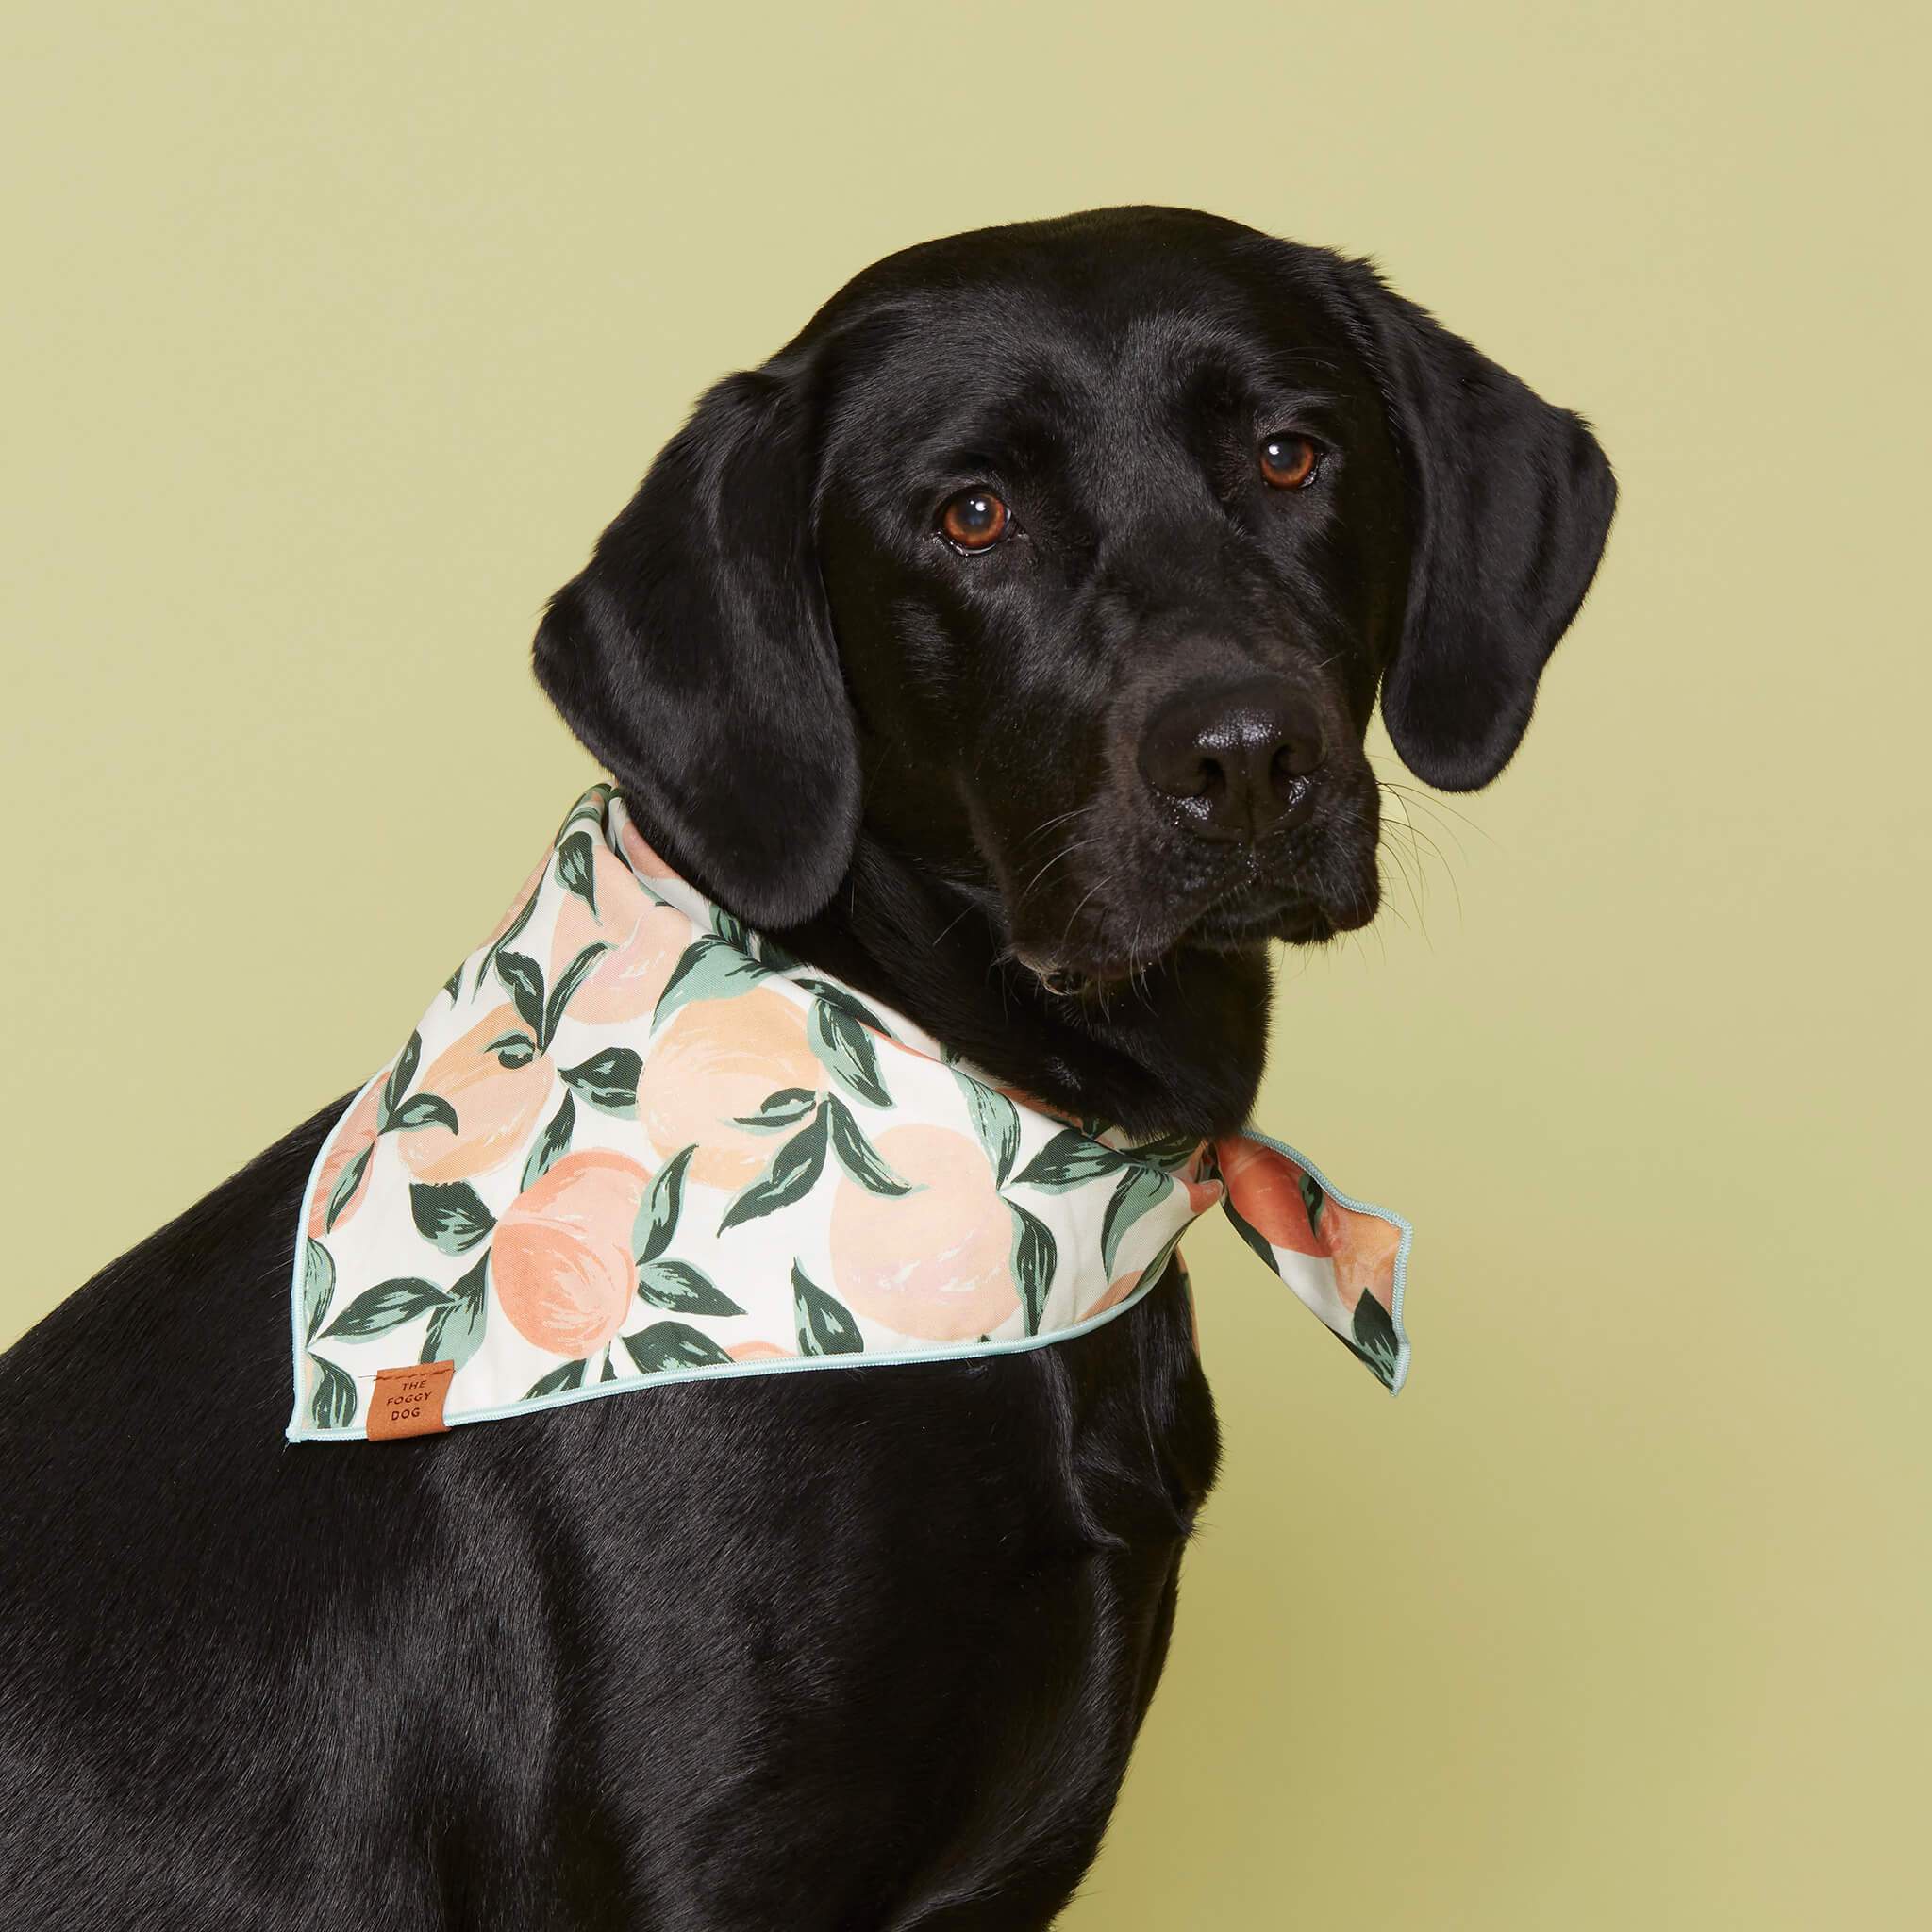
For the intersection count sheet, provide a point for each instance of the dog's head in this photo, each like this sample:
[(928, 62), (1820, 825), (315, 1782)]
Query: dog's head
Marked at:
[(1063, 563)]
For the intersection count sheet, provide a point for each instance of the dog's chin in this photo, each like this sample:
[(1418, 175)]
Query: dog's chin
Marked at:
[(1240, 924), (1293, 917)]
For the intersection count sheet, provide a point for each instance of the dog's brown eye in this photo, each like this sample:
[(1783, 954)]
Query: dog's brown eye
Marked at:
[(975, 520), (1287, 461)]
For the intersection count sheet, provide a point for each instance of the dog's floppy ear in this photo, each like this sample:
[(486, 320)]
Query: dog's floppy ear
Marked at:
[(694, 655), (1509, 501)]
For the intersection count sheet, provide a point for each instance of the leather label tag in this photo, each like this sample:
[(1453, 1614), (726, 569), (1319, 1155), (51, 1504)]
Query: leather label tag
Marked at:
[(408, 1402)]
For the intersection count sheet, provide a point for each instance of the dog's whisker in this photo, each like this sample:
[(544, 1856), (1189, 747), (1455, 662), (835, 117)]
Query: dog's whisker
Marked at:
[(1430, 802), (951, 924), (1405, 801), (1059, 818), (1059, 857), (1419, 842), (1067, 931), (1406, 864)]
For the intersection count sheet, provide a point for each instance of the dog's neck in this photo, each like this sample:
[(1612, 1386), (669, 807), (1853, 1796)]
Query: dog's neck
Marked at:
[(1180, 1049)]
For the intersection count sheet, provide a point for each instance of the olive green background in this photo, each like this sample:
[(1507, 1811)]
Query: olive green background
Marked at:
[(334, 335)]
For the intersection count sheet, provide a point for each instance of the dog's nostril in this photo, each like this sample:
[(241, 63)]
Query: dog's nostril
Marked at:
[(1235, 759), (1296, 757)]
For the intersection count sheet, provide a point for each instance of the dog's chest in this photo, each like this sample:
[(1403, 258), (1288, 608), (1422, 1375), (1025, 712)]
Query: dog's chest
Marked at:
[(953, 1585)]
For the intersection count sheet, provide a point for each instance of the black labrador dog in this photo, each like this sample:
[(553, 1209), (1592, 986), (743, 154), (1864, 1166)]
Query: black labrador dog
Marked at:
[(1005, 644)]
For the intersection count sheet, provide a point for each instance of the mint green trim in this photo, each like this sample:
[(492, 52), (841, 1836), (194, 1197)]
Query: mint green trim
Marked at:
[(299, 1431), (1400, 1373), (719, 1371)]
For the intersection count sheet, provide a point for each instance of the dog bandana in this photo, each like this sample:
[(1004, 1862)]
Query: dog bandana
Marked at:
[(633, 1141)]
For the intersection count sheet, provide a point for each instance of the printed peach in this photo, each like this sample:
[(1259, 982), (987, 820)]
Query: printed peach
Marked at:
[(1116, 1292), (936, 1263), (645, 941), (496, 1107), (561, 1258), (1202, 1195), (1363, 1248), (1265, 1187), (715, 1062)]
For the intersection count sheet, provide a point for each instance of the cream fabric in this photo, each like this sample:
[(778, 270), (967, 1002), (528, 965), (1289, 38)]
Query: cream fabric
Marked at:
[(632, 1142)]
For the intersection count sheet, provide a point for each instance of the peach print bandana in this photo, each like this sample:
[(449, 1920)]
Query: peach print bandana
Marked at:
[(632, 1142)]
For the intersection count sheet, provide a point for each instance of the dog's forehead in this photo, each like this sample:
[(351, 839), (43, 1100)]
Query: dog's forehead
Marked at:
[(1012, 348)]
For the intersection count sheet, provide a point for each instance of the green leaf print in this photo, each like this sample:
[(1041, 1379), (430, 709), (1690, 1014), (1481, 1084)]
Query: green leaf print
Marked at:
[(672, 1345), (1375, 1338), (318, 1285), (509, 932), (456, 1332), (1313, 1200), (824, 1323), (552, 1145), (588, 811), (784, 1109), (856, 1153), (1250, 1233), (451, 1214), (571, 1375), (454, 985), (658, 1210), (575, 867), (1137, 1190), (345, 1190), (522, 978), (846, 1049), (843, 1000), (1036, 1256), (334, 1402), (399, 1077), (425, 1110), (730, 928), (794, 1169), (681, 1289), (770, 953), (1070, 1160), (1152, 1273), (388, 1305), (568, 981), (1168, 1150), (609, 1079), (512, 1049), (708, 969), (996, 1121)]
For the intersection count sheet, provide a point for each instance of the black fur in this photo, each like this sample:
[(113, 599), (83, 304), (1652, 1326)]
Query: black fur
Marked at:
[(1111, 374), (853, 1651)]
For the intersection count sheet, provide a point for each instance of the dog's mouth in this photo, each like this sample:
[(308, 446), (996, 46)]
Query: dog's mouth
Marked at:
[(1145, 901), (1243, 921)]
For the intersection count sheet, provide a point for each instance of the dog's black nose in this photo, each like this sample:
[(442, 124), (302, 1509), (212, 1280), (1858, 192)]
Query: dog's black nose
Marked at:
[(1235, 759)]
